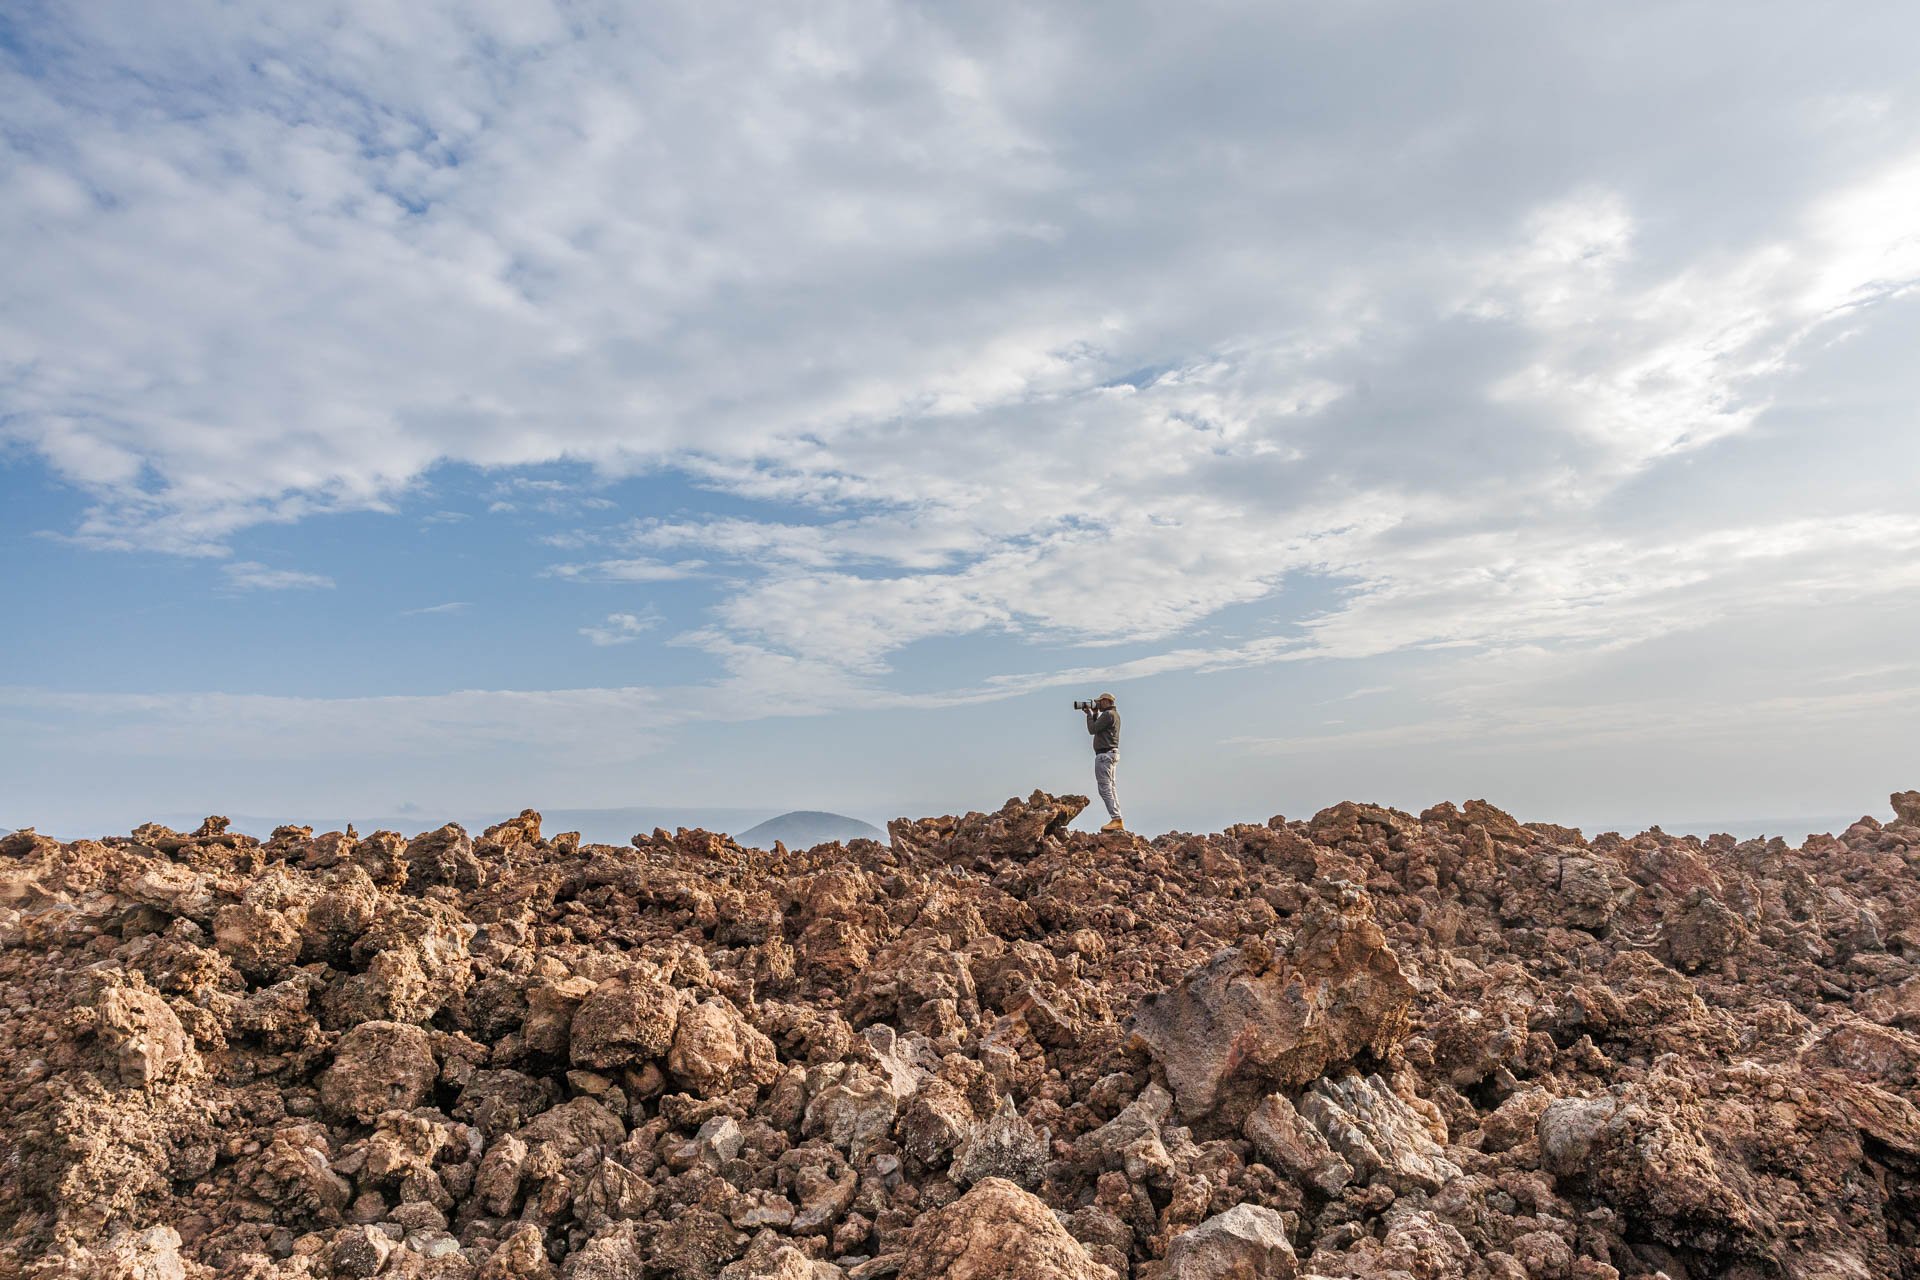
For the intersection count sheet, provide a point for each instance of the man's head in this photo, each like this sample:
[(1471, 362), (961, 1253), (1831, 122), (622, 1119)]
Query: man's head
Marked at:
[(1104, 700)]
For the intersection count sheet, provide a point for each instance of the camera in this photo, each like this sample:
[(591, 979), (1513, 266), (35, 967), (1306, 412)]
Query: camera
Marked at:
[(1083, 706)]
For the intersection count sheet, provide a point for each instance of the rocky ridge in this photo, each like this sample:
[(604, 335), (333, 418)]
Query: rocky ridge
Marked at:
[(1365, 1045)]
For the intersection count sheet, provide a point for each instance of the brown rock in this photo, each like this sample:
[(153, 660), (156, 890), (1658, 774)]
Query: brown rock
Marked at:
[(521, 1256), (443, 857), (695, 1246), (514, 832), (378, 1066), (1295, 1147), (1246, 1242), (995, 1232), (1252, 1019), (616, 1253), (260, 1045), (625, 1020), (1018, 830), (716, 1049), (144, 1041)]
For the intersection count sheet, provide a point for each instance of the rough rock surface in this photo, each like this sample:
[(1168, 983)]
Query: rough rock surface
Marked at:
[(1251, 1018), (996, 1232), (1368, 1045), (1247, 1242)]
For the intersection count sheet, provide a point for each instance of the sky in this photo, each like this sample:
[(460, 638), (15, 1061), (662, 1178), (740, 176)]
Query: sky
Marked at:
[(441, 409)]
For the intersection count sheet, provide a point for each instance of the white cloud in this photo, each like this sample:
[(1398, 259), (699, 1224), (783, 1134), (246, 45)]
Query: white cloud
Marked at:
[(638, 569), (451, 606), (621, 628), (1014, 326), (251, 575)]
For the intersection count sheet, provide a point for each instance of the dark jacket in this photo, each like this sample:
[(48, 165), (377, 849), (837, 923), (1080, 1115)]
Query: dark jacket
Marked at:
[(1105, 728)]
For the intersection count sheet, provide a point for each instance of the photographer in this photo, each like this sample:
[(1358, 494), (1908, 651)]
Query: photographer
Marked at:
[(1103, 722)]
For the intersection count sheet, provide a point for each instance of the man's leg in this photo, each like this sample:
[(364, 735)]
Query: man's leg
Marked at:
[(1105, 765)]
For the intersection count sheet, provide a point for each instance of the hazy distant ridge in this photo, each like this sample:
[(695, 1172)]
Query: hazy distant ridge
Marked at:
[(804, 828)]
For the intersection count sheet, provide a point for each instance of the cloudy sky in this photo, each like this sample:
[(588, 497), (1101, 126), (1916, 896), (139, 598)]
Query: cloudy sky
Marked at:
[(469, 406)]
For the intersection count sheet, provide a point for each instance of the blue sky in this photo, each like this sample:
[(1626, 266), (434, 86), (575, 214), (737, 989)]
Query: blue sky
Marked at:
[(582, 406)]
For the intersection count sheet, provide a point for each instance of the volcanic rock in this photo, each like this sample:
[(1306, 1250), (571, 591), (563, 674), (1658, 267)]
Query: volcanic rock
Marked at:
[(1246, 1242), (1450, 1047), (1002, 1146), (1376, 1134), (996, 1232), (715, 1048), (623, 1021), (1255, 1017), (143, 1038), (1285, 1139), (377, 1066)]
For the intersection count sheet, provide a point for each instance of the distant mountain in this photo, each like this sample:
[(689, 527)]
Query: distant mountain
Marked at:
[(805, 828)]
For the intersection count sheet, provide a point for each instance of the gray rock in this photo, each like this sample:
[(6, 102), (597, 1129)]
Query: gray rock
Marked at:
[(1003, 1146), (1378, 1134), (359, 1251), (718, 1141), (1247, 1242), (1568, 1129), (1286, 1141), (1586, 893), (851, 1107)]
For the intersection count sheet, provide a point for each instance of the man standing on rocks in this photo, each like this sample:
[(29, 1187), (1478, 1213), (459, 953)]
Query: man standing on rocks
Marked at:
[(1103, 722)]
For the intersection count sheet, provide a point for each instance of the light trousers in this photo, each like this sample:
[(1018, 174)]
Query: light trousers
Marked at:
[(1105, 765)]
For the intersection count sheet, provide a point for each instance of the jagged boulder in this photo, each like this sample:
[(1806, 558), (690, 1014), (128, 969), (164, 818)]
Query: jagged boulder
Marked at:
[(996, 1232), (1019, 829), (1287, 1141), (443, 857), (142, 1037), (715, 1049), (514, 832), (521, 1256), (850, 1106), (935, 1122), (1255, 1018), (1412, 1242), (1247, 1242), (378, 1066), (1132, 1141), (1002, 1146), (1739, 1162), (624, 1020), (1377, 1134)]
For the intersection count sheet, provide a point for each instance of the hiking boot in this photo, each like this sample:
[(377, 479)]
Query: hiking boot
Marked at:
[(1115, 825)]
